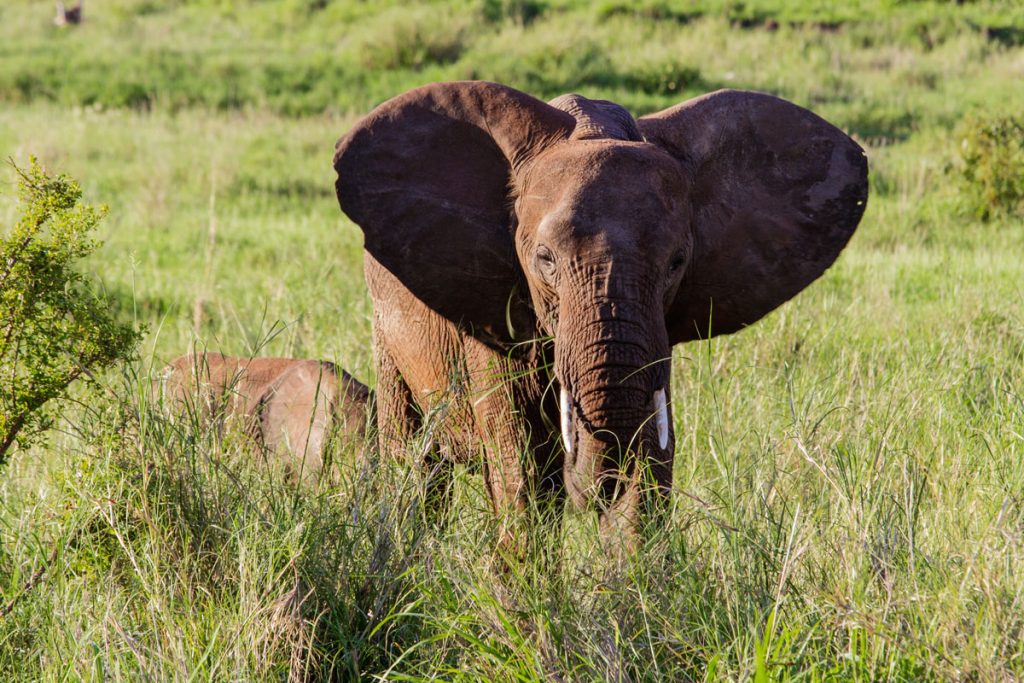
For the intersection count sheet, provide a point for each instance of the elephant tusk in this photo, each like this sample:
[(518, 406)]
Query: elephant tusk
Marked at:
[(661, 417), (565, 410)]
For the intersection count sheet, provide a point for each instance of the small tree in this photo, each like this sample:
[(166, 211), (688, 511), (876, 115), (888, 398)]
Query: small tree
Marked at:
[(992, 165), (54, 326)]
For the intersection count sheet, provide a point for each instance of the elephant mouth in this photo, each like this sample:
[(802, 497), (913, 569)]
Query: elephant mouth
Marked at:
[(570, 425)]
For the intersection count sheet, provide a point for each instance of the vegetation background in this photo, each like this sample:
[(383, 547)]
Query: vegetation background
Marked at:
[(850, 472)]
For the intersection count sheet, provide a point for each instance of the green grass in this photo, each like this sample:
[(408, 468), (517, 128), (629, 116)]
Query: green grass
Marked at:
[(849, 475)]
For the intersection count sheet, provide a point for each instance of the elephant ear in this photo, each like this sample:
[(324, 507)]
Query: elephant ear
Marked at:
[(426, 176), (776, 194)]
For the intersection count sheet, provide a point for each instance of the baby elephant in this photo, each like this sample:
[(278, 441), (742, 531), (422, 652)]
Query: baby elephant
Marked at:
[(289, 406)]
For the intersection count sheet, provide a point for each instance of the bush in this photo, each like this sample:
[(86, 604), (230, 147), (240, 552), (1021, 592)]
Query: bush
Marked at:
[(991, 165), (54, 327), (519, 12), (407, 38), (662, 78)]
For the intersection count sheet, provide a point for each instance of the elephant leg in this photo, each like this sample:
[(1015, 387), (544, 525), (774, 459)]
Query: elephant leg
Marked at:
[(503, 470), (641, 499), (397, 419), (504, 486), (523, 479), (618, 521), (524, 485), (437, 487), (541, 412)]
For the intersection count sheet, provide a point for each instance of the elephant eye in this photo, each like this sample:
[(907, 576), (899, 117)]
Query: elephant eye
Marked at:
[(676, 264), (545, 261)]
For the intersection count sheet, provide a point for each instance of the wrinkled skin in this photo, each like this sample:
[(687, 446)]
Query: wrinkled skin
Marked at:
[(531, 266), (289, 406)]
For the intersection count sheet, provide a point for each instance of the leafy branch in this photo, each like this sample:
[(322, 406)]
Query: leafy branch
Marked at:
[(54, 325)]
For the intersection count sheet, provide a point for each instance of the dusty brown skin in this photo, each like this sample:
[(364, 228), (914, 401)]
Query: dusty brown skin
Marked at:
[(493, 221), (289, 406)]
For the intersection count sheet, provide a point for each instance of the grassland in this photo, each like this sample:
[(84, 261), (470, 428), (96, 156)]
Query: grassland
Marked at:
[(849, 479)]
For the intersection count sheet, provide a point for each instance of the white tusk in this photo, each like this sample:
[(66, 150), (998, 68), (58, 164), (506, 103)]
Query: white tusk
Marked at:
[(661, 416), (565, 409)]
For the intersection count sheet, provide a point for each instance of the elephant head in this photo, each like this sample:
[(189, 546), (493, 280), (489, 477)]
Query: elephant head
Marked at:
[(617, 237)]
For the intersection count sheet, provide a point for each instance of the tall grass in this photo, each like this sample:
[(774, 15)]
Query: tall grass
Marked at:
[(849, 486)]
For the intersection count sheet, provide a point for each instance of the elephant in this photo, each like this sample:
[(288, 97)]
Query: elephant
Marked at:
[(289, 406), (531, 265)]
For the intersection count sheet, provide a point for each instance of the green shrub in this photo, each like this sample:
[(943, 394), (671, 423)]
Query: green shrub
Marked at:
[(662, 78), (407, 38), (991, 165), (519, 12), (544, 63), (656, 10), (54, 326)]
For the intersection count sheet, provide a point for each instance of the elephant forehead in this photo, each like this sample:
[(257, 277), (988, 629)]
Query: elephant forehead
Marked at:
[(597, 187), (598, 176)]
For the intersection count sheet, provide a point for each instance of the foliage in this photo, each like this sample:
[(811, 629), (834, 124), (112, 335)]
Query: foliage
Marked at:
[(300, 58), (520, 12), (54, 327), (412, 38), (991, 165)]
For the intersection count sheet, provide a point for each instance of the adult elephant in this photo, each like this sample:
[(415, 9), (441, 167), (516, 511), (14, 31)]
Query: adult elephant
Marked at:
[(531, 266)]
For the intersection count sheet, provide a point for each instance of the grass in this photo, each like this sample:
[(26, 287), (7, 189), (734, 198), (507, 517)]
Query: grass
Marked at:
[(849, 483)]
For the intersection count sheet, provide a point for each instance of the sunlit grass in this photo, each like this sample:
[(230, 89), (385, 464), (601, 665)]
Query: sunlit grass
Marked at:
[(849, 484)]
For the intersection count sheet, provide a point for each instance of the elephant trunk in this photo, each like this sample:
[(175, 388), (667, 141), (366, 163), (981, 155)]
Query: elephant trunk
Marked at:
[(612, 365)]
